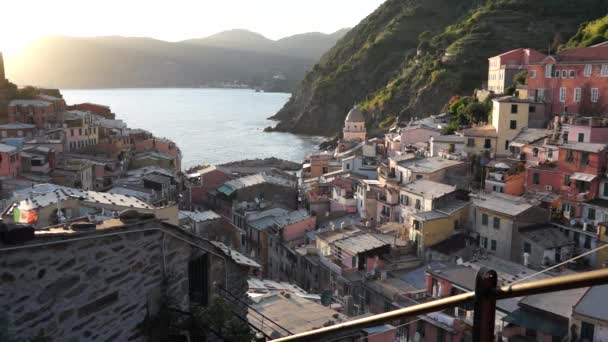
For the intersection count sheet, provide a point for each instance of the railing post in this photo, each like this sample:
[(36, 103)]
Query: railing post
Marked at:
[(485, 306)]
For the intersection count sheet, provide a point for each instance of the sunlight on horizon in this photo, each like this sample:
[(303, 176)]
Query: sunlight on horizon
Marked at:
[(182, 19)]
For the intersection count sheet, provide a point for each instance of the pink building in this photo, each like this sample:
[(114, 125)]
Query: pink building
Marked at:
[(80, 131), (203, 181), (10, 161), (33, 112), (573, 81), (583, 129), (544, 178)]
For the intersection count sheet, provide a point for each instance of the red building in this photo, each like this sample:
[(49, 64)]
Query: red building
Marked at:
[(572, 81), (503, 68), (97, 109), (10, 161), (34, 112), (204, 181)]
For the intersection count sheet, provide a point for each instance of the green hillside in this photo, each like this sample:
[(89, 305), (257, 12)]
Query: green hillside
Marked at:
[(409, 57), (590, 33)]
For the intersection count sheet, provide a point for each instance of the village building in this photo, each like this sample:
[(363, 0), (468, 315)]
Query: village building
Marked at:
[(37, 160), (97, 109), (34, 112), (80, 131), (10, 161), (17, 130), (64, 204), (571, 81), (505, 176), (404, 170), (497, 219), (201, 182), (447, 146), (416, 133), (113, 269), (58, 103), (589, 316), (480, 140), (503, 68), (275, 187)]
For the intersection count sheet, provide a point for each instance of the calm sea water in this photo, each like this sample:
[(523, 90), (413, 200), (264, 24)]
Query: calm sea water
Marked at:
[(209, 125)]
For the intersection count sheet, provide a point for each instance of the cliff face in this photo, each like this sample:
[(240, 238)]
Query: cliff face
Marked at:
[(410, 56)]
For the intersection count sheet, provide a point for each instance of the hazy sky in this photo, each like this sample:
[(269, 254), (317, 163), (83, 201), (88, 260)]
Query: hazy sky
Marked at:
[(23, 21)]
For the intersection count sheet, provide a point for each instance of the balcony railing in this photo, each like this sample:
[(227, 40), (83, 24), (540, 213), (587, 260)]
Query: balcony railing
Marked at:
[(484, 299)]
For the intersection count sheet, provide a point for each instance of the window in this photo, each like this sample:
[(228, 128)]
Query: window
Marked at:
[(577, 94), (513, 109), (595, 94), (483, 242), (496, 223), (72, 132), (471, 142), (556, 74), (569, 156), (540, 94), (606, 191), (604, 72), (527, 247), (506, 144), (532, 109), (562, 94), (513, 124), (418, 205), (420, 328), (487, 143), (548, 70), (484, 219), (564, 73), (493, 245), (581, 137), (80, 131), (536, 178), (549, 154), (591, 214), (532, 73), (567, 180), (535, 152), (572, 73), (585, 158), (588, 69)]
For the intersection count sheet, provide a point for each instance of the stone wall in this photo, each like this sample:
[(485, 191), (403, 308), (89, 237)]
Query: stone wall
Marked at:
[(101, 287)]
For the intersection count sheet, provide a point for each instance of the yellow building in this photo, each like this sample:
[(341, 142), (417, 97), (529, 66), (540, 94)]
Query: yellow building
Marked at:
[(510, 115), (429, 228), (481, 139), (354, 126)]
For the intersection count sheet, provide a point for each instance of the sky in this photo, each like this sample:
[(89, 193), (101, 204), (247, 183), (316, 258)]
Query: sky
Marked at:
[(24, 21)]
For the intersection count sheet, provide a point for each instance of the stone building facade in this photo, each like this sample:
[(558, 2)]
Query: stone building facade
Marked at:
[(100, 284)]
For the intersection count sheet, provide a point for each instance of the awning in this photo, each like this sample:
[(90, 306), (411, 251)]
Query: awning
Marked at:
[(585, 177), (538, 322), (517, 144)]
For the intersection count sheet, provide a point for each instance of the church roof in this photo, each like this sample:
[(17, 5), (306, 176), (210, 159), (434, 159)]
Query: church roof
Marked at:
[(355, 115)]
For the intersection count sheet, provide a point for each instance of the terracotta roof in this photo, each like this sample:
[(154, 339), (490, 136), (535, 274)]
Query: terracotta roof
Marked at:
[(481, 131), (598, 53)]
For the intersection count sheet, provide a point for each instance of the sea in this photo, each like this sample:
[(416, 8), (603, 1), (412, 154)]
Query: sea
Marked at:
[(210, 126)]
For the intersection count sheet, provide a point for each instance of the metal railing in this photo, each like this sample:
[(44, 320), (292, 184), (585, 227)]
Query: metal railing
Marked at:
[(484, 299)]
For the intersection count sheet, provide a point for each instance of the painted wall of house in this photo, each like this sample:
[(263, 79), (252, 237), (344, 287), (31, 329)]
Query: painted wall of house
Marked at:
[(589, 134), (295, 233), (10, 164), (502, 235), (551, 177), (501, 120), (535, 154), (35, 115), (551, 86), (475, 145)]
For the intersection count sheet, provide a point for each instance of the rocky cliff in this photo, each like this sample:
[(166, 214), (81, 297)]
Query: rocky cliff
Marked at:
[(409, 57)]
